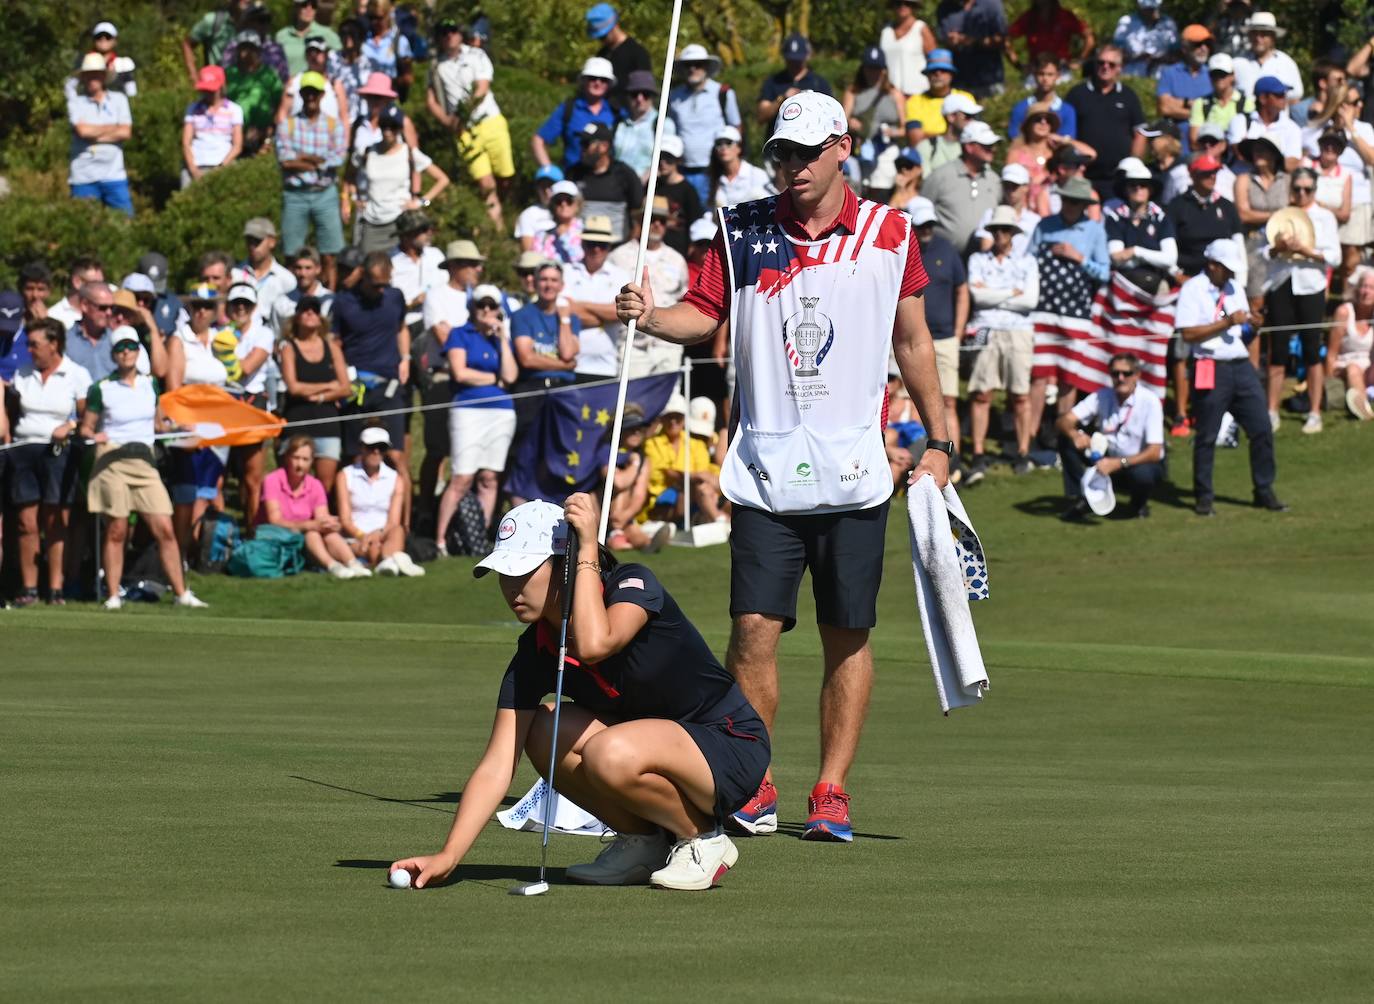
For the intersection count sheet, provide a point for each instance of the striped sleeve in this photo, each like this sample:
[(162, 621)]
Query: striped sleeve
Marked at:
[(914, 278)]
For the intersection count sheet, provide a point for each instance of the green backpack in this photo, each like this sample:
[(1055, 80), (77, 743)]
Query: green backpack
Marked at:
[(272, 553)]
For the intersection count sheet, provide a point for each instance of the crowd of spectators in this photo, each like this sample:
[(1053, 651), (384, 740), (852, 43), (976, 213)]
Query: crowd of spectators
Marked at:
[(1060, 253)]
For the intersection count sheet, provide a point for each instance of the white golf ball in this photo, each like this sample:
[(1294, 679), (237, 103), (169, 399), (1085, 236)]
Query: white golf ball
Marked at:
[(400, 879)]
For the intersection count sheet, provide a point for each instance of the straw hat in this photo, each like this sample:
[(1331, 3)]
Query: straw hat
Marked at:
[(1292, 221)]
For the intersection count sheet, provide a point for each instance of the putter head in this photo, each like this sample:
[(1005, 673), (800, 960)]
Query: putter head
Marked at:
[(530, 889)]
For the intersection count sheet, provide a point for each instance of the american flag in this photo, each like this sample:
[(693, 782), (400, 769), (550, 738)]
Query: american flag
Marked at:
[(1075, 351)]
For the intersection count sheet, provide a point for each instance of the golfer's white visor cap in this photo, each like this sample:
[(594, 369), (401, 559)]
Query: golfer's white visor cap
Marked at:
[(527, 536), (1099, 492)]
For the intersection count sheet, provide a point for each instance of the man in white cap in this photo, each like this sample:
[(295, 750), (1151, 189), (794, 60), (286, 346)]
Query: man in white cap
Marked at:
[(1265, 59), (812, 281), (958, 110), (1130, 420), (120, 79), (964, 189), (1015, 194), (567, 122), (700, 106), (1213, 316)]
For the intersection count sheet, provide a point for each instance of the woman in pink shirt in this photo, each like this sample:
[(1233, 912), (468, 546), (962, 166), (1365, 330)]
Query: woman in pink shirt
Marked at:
[(293, 499)]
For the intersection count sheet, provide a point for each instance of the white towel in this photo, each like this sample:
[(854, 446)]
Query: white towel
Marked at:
[(568, 817), (950, 570)]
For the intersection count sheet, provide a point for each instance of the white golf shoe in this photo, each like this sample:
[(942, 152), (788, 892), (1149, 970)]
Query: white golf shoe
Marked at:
[(407, 564), (113, 603), (357, 570), (190, 599), (629, 859), (388, 566), (697, 863)]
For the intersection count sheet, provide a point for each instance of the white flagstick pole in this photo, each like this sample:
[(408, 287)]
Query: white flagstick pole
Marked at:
[(669, 58)]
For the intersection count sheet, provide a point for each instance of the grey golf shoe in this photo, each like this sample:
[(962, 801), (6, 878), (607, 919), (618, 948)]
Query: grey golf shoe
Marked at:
[(629, 859)]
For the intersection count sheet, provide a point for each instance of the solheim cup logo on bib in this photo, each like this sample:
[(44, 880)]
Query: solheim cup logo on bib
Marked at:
[(808, 337)]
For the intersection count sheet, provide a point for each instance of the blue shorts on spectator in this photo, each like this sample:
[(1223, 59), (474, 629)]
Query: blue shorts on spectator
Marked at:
[(114, 194)]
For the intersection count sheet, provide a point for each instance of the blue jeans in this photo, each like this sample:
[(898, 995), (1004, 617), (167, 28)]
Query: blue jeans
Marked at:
[(114, 194), (700, 177), (301, 208)]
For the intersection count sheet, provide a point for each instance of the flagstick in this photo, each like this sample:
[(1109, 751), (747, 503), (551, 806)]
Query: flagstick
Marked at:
[(639, 267)]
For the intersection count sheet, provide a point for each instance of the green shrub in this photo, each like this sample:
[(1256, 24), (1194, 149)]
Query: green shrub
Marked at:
[(36, 226)]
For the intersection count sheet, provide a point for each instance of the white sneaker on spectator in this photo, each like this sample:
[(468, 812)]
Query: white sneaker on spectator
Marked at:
[(357, 570), (190, 599), (388, 566), (1358, 405), (1312, 424), (340, 571), (1274, 421), (407, 565), (629, 859), (113, 603), (698, 863)]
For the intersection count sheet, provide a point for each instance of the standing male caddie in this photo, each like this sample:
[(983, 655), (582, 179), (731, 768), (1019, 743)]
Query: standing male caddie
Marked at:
[(816, 284)]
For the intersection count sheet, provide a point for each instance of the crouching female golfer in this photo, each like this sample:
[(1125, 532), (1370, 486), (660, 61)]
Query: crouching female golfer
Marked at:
[(657, 741)]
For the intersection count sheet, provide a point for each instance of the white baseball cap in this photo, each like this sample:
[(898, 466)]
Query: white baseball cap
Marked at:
[(105, 28), (728, 132), (486, 291), (1134, 168), (600, 67), (808, 119), (701, 420), (672, 146), (1098, 492), (527, 536), (242, 291), (979, 132), (1016, 174), (704, 229), (373, 435), (921, 210), (1223, 251), (1222, 62), (960, 103), (565, 187)]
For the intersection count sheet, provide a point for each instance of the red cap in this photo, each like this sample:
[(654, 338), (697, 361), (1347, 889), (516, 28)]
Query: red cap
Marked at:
[(210, 78), (1204, 164)]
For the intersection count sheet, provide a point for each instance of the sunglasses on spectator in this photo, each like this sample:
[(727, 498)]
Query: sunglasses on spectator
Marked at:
[(1353, 101), (253, 242), (103, 308), (488, 305), (1109, 63), (563, 200), (1304, 189), (124, 347), (103, 34), (1122, 374), (236, 306), (785, 151), (203, 305), (374, 447), (642, 94), (1137, 183)]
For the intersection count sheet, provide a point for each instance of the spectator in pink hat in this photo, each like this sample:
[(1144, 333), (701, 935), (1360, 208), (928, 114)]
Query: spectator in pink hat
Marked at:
[(211, 130), (377, 95)]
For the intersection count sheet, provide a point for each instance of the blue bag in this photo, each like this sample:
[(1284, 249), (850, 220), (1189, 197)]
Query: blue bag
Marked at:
[(273, 552)]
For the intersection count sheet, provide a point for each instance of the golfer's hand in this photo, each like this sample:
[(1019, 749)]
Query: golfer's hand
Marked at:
[(425, 870), (635, 303), (584, 516), (934, 463)]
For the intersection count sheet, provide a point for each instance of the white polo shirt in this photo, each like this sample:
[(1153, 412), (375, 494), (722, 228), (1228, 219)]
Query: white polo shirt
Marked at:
[(413, 277), (369, 497), (1199, 303), (1129, 425), (46, 405), (127, 413), (444, 303), (1283, 132), (598, 351), (92, 161)]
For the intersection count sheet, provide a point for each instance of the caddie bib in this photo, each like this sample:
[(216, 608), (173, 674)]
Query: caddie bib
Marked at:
[(811, 330)]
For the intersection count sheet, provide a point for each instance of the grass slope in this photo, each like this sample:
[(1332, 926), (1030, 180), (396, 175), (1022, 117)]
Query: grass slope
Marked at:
[(1164, 796)]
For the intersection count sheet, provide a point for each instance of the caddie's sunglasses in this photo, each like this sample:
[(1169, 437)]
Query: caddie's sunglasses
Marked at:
[(784, 151)]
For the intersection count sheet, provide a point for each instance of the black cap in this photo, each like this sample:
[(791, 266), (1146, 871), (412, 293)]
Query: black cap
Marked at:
[(154, 266), (593, 131), (309, 303), (391, 118), (412, 221)]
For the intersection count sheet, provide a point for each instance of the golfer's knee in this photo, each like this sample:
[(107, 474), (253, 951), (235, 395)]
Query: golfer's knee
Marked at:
[(611, 761)]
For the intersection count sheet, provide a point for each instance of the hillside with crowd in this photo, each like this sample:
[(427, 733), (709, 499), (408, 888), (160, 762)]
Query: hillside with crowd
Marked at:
[(1150, 235)]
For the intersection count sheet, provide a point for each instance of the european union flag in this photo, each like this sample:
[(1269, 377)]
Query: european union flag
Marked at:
[(569, 443)]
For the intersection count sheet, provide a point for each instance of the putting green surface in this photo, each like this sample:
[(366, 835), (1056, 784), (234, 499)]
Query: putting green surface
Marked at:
[(1166, 795)]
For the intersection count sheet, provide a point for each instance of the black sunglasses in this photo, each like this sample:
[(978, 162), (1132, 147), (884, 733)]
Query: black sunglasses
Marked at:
[(374, 447), (1122, 374), (1304, 189), (488, 305), (784, 151)]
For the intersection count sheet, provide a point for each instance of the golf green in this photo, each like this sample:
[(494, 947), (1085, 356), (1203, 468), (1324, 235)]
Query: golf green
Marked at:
[(1166, 794)]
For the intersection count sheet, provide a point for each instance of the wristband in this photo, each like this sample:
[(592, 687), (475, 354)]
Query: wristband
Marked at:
[(594, 566)]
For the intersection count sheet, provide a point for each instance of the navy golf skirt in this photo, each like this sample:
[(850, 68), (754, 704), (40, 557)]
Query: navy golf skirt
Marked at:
[(737, 750)]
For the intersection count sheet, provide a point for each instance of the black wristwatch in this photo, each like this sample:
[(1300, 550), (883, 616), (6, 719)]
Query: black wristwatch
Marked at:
[(945, 446)]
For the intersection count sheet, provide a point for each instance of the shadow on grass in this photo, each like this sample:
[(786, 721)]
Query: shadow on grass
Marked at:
[(445, 797), (496, 876)]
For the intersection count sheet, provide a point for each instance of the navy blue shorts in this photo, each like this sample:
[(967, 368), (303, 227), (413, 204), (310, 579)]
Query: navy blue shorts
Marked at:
[(737, 750), (37, 475), (844, 550)]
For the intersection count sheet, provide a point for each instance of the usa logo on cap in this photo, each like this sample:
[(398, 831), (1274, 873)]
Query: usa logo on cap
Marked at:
[(506, 530), (791, 111)]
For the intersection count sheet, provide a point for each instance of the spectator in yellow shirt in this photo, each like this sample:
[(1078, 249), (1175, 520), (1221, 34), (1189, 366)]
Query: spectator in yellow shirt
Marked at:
[(923, 115), (666, 452)]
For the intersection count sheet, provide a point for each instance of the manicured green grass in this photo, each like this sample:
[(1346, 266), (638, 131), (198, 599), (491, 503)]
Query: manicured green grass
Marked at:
[(1166, 795)]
